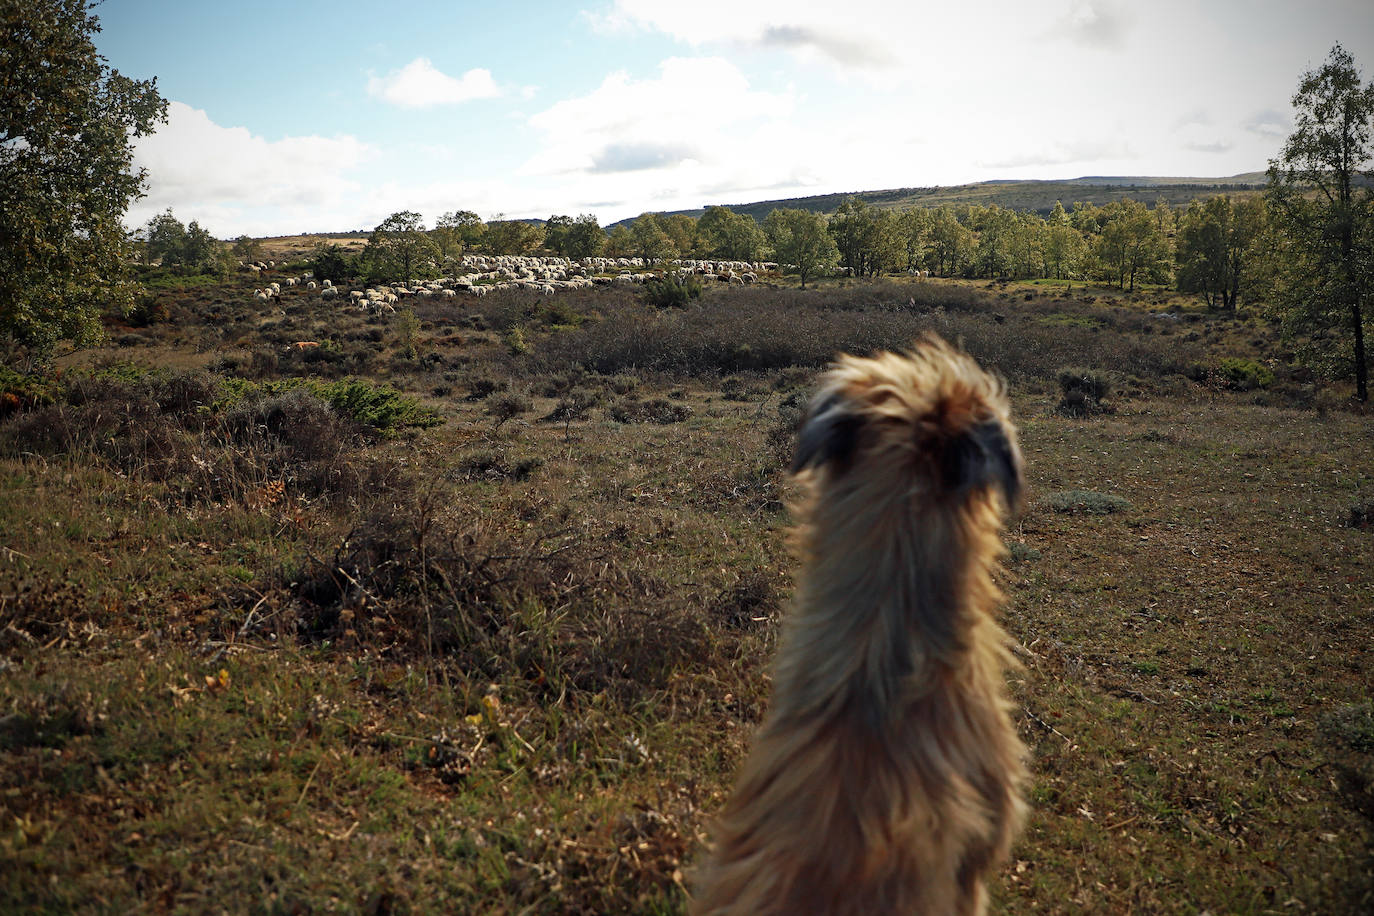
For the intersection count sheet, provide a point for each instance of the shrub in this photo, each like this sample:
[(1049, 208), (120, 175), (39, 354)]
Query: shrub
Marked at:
[(483, 387), (329, 261), (492, 465), (558, 313), (507, 407), (1240, 374), (1361, 516), (657, 410), (672, 290), (573, 405), (622, 384), (515, 342), (380, 407), (20, 392), (1084, 390)]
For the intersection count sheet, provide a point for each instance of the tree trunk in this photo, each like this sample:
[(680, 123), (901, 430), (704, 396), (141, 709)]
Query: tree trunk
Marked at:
[(1361, 367)]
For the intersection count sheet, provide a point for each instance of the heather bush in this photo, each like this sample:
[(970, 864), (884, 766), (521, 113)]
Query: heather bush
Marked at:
[(1084, 391)]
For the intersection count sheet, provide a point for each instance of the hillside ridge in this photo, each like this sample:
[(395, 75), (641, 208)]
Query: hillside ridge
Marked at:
[(1039, 195)]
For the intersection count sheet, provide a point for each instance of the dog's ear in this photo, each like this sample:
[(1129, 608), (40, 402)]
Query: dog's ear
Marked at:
[(828, 434), (983, 456)]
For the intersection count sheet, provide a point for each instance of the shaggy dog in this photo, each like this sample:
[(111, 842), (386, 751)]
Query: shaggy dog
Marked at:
[(887, 774)]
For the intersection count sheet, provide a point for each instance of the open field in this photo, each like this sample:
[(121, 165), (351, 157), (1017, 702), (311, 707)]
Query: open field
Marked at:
[(269, 646)]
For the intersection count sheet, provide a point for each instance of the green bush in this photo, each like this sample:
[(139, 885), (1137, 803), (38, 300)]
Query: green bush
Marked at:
[(672, 290), (329, 261), (19, 391), (515, 342), (1240, 374), (379, 406)]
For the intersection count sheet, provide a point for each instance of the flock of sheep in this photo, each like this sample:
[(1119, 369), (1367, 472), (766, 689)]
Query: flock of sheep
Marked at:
[(479, 274)]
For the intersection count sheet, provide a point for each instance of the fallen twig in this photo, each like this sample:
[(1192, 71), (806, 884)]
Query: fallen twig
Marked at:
[(1048, 727)]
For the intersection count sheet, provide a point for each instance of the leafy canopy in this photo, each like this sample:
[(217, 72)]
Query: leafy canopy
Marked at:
[(67, 122), (1323, 208)]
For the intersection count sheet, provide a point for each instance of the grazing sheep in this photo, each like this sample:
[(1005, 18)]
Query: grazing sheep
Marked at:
[(887, 774), (329, 292)]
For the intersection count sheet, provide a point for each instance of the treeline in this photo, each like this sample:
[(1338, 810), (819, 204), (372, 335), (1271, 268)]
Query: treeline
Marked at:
[(1212, 247)]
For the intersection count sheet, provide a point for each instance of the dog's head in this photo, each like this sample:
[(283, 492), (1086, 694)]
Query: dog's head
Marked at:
[(932, 412)]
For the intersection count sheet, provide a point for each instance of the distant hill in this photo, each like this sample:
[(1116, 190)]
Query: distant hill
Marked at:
[(1039, 196)]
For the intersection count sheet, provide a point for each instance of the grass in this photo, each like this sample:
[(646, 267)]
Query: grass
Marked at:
[(510, 662)]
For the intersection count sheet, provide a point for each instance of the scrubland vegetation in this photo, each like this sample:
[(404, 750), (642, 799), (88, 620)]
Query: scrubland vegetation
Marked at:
[(469, 606), (415, 621)]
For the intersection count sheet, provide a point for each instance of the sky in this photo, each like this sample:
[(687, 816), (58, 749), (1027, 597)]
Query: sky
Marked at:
[(330, 115)]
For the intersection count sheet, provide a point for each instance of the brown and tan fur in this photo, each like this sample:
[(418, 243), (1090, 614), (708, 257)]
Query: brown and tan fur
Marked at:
[(887, 775)]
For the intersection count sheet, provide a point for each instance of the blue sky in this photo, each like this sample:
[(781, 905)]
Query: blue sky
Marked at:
[(326, 116)]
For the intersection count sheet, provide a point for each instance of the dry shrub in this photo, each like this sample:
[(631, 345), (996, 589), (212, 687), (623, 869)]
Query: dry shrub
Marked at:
[(747, 605), (654, 410), (171, 428), (543, 608), (766, 329)]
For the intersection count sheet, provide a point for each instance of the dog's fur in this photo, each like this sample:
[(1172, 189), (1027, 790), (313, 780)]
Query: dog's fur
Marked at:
[(887, 775)]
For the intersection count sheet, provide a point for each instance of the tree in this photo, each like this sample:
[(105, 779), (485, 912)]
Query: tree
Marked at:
[(870, 241), (913, 229), (247, 249), (586, 238), (187, 249), (951, 243), (201, 251), (67, 122), (1065, 249), (619, 241), (556, 232), (400, 248), (996, 232), (1325, 219), (682, 229), (800, 239), (513, 236), (1216, 241), (651, 242), (1131, 246), (729, 235), (162, 239), (330, 262), (461, 227)]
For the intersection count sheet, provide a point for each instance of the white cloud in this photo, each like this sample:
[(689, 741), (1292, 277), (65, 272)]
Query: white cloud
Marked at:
[(419, 84), (1097, 23), (1269, 124), (1084, 151), (1209, 146), (839, 34), (233, 181), (630, 125)]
